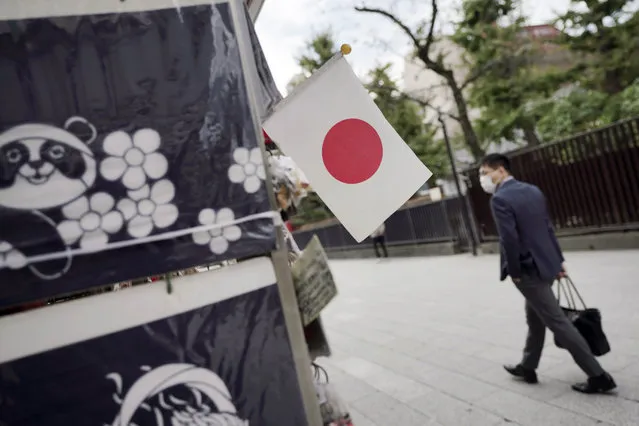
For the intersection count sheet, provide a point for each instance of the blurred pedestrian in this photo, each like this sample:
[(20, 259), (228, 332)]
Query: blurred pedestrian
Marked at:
[(379, 239), (531, 256)]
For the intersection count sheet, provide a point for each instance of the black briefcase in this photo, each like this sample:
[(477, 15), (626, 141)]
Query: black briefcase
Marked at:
[(586, 320)]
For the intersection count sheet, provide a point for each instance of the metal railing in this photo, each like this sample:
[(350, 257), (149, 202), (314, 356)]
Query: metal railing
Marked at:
[(430, 222), (591, 181)]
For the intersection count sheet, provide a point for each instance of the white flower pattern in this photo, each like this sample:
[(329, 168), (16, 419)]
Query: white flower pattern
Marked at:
[(11, 257), (90, 220), (218, 238), (148, 207), (133, 159), (249, 169)]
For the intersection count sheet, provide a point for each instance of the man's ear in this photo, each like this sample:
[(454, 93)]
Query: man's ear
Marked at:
[(81, 128)]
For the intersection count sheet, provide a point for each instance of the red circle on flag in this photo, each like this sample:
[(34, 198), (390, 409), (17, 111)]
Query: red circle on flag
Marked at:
[(352, 151)]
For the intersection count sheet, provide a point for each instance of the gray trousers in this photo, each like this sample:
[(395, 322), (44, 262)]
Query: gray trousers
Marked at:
[(542, 310)]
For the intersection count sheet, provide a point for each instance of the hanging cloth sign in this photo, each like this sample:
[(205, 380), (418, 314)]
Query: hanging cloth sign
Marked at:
[(127, 145), (215, 352)]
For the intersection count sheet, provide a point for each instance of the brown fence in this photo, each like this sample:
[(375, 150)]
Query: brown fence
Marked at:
[(591, 181)]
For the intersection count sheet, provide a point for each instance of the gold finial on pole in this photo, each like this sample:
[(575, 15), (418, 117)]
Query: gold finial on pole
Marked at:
[(345, 49)]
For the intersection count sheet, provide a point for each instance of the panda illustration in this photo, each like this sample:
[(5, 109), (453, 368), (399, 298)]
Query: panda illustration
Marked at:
[(42, 167)]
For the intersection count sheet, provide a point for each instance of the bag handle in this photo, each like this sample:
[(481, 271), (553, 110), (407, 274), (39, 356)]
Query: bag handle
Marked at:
[(560, 289), (318, 372), (570, 290), (563, 288)]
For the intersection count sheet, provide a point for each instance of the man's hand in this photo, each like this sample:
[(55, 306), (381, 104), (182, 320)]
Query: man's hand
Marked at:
[(563, 273)]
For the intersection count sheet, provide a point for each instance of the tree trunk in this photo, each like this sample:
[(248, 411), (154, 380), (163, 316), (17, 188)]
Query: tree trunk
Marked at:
[(530, 134), (472, 142), (612, 83)]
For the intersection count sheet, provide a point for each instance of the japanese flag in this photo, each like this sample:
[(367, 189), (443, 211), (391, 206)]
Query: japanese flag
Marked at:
[(352, 156)]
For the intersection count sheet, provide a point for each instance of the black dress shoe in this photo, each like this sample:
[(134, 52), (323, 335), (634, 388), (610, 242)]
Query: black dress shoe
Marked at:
[(528, 376), (600, 384)]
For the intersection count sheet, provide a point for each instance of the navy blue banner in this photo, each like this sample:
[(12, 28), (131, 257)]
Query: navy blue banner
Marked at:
[(118, 134), (227, 364)]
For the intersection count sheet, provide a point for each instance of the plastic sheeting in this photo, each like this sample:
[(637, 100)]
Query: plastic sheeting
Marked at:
[(230, 355), (119, 133)]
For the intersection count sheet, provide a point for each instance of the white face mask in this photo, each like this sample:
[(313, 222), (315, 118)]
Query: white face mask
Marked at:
[(487, 184)]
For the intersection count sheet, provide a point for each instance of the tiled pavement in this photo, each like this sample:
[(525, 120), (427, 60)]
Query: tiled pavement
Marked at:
[(421, 342)]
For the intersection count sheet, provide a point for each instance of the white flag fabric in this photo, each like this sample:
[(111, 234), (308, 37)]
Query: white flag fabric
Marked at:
[(352, 156)]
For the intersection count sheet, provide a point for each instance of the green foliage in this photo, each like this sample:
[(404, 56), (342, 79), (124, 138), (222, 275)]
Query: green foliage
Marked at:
[(603, 37), (583, 110), (318, 51), (489, 31), (515, 93), (624, 104), (579, 111), (311, 209)]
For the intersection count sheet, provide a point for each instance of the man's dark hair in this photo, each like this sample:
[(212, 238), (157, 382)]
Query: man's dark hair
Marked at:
[(494, 161)]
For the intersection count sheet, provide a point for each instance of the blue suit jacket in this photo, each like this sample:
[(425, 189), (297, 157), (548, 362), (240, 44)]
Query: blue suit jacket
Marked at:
[(526, 237)]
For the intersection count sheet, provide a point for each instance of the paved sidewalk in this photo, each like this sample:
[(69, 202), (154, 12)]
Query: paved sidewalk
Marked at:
[(421, 342)]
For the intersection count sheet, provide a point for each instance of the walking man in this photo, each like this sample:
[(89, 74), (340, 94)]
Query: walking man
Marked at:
[(379, 239), (531, 256)]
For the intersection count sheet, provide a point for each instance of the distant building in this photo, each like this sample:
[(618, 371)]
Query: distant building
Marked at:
[(424, 84), (544, 37)]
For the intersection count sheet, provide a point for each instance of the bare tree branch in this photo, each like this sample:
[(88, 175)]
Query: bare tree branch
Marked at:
[(427, 104), (431, 30), (441, 85), (396, 20), (444, 113), (423, 46), (453, 116)]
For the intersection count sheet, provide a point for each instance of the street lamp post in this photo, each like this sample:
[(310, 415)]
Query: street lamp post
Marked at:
[(467, 213)]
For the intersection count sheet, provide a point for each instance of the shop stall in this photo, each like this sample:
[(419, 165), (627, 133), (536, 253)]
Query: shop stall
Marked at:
[(131, 147)]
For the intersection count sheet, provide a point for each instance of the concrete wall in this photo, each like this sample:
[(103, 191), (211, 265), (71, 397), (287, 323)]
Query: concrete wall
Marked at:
[(609, 241), (412, 250)]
